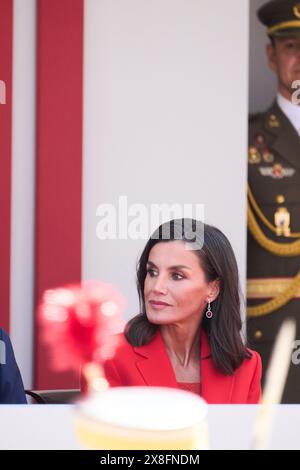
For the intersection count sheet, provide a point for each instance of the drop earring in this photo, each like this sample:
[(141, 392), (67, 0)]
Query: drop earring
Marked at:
[(208, 313)]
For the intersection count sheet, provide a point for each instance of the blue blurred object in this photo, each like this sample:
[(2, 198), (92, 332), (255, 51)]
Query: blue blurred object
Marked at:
[(11, 385)]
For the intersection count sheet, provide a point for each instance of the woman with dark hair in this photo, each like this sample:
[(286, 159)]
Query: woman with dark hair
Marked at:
[(188, 332)]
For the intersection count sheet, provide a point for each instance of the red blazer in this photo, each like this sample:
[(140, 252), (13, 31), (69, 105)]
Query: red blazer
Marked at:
[(150, 365)]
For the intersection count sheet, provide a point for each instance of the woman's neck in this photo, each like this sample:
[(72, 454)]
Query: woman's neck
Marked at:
[(182, 343)]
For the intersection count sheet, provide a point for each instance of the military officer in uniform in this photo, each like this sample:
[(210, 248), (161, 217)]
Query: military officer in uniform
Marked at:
[(273, 268)]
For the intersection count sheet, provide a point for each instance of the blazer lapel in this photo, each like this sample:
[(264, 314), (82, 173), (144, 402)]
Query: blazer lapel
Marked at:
[(215, 387), (154, 364), (286, 141)]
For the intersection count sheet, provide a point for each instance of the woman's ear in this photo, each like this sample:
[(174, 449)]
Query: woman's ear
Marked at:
[(213, 290)]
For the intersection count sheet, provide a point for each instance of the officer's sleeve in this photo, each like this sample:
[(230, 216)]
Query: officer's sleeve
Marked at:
[(11, 385), (254, 395)]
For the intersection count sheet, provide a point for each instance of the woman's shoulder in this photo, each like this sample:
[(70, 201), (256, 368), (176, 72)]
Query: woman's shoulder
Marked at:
[(123, 346), (253, 362), (255, 356), (247, 379)]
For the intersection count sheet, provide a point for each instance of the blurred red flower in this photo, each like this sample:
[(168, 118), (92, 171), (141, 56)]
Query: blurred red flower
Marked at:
[(80, 323)]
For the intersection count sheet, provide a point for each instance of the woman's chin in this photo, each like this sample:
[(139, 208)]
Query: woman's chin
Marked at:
[(158, 318)]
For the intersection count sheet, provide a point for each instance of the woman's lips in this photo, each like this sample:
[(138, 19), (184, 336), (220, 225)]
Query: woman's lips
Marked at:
[(158, 305)]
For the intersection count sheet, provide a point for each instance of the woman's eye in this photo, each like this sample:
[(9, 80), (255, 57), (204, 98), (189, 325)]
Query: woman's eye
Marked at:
[(151, 272), (177, 276)]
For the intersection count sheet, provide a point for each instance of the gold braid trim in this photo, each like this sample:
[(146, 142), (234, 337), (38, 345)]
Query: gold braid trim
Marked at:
[(282, 299), (267, 288), (278, 249), (263, 217)]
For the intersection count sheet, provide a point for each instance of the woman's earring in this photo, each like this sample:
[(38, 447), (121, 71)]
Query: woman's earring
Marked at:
[(209, 313)]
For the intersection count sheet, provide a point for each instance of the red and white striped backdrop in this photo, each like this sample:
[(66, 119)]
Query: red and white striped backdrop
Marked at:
[(58, 159), (58, 192), (6, 38)]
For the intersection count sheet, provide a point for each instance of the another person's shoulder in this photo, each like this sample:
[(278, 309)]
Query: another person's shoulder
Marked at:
[(255, 117), (260, 131), (268, 119), (5, 339), (256, 120), (11, 385), (3, 335), (256, 128)]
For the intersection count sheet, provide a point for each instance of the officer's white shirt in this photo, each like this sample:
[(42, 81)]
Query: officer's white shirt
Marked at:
[(292, 111)]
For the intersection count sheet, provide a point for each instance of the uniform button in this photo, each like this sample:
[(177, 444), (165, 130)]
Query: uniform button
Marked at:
[(258, 334), (280, 199)]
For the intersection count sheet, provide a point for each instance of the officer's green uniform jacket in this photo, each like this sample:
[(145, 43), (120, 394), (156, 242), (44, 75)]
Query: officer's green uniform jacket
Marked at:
[(274, 180)]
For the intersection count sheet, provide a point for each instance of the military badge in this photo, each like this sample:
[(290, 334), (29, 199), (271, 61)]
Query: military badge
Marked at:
[(296, 10), (282, 220), (280, 199), (260, 140), (274, 121), (254, 156), (268, 156), (276, 171)]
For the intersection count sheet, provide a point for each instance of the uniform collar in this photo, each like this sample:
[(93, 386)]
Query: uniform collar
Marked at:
[(292, 111)]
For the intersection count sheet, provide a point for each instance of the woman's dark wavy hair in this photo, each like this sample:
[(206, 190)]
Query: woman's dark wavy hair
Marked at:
[(217, 259)]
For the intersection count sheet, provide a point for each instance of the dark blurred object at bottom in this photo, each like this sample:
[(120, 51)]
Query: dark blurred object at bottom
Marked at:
[(53, 397)]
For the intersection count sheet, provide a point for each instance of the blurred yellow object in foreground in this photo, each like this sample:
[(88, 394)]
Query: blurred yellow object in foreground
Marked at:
[(275, 382), (143, 418)]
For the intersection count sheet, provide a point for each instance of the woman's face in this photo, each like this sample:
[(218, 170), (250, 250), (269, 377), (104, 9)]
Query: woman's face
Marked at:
[(175, 287)]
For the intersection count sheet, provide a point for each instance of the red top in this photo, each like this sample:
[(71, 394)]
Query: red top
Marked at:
[(194, 387)]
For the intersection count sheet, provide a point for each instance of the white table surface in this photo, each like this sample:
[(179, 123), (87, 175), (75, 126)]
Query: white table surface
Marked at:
[(230, 427)]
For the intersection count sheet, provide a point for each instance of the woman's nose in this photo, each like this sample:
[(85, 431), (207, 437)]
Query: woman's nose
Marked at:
[(160, 285)]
